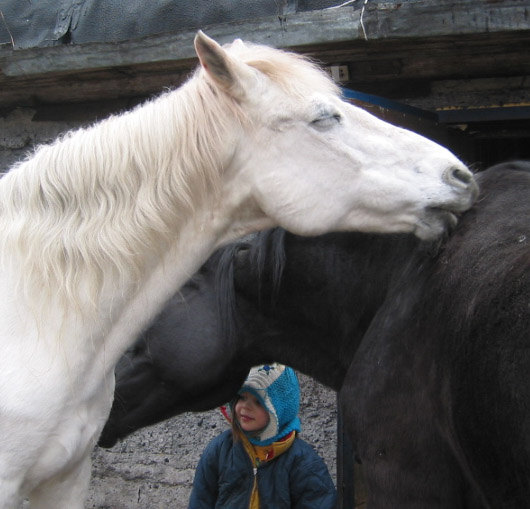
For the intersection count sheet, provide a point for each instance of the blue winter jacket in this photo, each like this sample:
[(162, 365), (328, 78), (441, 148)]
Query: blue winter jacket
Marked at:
[(296, 479)]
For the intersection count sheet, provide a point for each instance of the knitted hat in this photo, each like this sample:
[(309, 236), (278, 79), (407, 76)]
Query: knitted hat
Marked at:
[(276, 387)]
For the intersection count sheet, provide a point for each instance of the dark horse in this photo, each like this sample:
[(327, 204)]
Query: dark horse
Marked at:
[(278, 297), (437, 398), (436, 345)]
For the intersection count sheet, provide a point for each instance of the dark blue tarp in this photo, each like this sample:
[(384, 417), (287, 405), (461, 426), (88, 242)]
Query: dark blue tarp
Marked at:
[(32, 23)]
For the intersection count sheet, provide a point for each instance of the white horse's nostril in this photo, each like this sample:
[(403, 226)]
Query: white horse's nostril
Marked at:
[(463, 182), (460, 175)]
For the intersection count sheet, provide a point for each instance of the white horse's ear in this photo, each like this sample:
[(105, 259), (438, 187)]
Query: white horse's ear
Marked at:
[(229, 73)]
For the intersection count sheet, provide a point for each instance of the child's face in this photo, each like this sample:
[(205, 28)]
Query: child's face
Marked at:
[(249, 413)]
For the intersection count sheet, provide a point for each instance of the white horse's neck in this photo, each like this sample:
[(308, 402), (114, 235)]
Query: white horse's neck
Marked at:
[(149, 215), (72, 357), (209, 228)]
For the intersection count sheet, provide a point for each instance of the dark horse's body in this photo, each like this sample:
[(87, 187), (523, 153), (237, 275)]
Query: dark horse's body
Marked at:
[(436, 398), (438, 392), (280, 297)]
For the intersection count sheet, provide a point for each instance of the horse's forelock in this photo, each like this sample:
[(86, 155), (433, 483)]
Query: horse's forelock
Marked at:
[(296, 74)]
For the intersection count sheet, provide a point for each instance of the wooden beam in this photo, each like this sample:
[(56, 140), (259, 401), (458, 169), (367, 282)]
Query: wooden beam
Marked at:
[(404, 20), (384, 42), (314, 27)]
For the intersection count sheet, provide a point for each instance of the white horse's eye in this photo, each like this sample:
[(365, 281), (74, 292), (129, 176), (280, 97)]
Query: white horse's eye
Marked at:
[(325, 122)]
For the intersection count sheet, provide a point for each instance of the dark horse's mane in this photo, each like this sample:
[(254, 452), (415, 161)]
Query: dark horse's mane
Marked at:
[(264, 248), (256, 265)]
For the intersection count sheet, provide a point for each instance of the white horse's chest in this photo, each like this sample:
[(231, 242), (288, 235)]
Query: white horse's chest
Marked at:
[(57, 370), (54, 395), (75, 433), (49, 423)]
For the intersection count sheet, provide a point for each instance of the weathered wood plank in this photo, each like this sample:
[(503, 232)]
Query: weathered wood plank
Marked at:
[(314, 27), (442, 18), (412, 19), (414, 41)]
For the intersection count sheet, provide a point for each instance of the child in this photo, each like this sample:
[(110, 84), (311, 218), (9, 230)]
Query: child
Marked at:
[(261, 463)]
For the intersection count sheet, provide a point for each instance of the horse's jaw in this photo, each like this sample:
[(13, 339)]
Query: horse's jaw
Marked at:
[(245, 216)]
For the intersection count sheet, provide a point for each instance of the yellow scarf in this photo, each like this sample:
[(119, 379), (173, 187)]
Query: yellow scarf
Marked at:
[(259, 454)]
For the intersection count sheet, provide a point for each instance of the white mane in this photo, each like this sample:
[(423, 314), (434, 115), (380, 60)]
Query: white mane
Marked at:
[(296, 74), (109, 196)]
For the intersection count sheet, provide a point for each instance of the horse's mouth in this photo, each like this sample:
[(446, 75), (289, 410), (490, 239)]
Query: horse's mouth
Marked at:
[(435, 223), (448, 217)]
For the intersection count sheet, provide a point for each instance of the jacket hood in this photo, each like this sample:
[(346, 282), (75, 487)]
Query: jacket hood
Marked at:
[(276, 387)]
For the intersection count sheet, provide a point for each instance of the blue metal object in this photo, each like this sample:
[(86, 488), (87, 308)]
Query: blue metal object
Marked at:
[(388, 104)]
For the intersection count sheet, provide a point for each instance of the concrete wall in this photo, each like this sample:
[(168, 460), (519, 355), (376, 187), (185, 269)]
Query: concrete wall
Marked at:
[(154, 467), (19, 132)]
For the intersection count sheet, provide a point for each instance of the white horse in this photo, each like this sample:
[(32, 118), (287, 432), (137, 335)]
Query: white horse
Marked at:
[(101, 227)]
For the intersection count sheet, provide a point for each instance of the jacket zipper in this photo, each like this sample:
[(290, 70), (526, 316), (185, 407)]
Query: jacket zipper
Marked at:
[(254, 483)]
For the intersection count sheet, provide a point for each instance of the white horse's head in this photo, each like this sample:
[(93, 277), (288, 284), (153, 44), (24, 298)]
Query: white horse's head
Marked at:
[(315, 163)]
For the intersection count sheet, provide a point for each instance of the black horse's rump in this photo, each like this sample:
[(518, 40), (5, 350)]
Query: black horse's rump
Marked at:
[(429, 347)]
